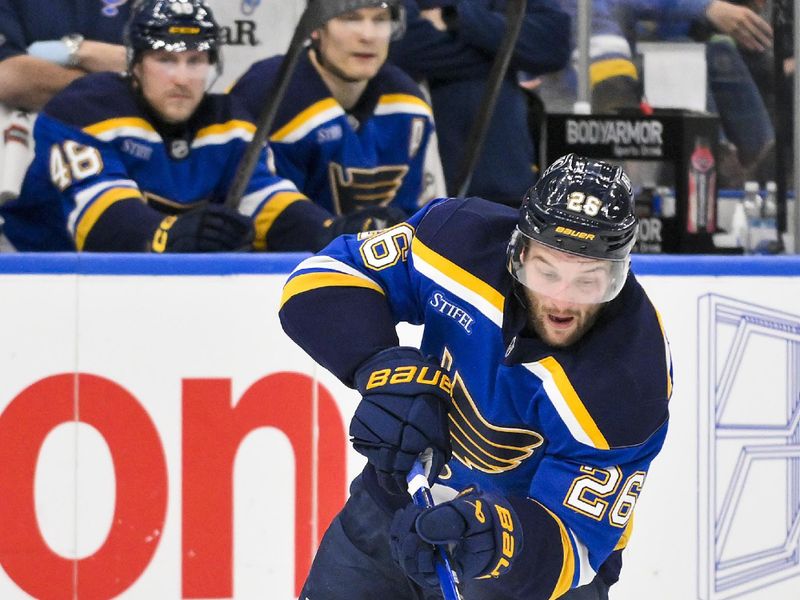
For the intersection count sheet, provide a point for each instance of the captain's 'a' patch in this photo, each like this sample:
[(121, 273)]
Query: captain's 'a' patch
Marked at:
[(478, 444), (356, 188)]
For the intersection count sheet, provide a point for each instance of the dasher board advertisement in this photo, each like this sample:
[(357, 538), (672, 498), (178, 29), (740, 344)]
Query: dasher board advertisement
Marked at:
[(162, 438)]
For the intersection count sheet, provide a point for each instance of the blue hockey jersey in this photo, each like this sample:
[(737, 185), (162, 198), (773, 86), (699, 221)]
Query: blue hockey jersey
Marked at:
[(567, 434), (371, 155), (97, 146)]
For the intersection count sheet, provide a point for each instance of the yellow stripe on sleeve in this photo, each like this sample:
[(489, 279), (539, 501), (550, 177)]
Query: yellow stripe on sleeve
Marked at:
[(305, 116), (459, 275), (574, 403), (612, 67), (109, 124), (97, 208), (666, 350), (271, 210), (626, 535), (314, 281), (567, 574), (404, 99), (219, 128)]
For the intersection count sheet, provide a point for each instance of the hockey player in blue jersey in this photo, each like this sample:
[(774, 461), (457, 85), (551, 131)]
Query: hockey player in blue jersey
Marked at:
[(142, 161), (351, 132), (541, 384)]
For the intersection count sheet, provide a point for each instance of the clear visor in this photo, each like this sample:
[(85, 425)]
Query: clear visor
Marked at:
[(565, 277)]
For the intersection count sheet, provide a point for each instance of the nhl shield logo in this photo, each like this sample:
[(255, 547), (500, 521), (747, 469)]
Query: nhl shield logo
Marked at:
[(179, 149)]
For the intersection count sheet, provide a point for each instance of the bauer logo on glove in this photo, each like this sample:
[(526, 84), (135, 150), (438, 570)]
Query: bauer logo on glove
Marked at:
[(402, 413), (481, 528), (427, 375)]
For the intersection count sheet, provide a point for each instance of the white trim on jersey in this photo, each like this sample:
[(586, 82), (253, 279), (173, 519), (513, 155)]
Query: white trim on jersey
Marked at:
[(85, 197), (221, 139), (130, 131), (587, 573), (303, 129), (458, 290), (560, 403), (392, 108), (252, 202), (331, 264)]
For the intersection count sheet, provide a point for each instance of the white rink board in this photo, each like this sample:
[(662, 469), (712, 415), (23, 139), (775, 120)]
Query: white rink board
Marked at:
[(172, 358), (253, 30)]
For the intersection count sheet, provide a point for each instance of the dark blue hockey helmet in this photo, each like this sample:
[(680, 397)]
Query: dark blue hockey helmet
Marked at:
[(174, 26), (581, 206)]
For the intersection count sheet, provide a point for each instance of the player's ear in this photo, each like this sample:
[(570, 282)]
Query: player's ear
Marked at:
[(136, 70)]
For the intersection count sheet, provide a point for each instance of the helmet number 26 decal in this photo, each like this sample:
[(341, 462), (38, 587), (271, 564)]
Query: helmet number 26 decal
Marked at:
[(581, 203)]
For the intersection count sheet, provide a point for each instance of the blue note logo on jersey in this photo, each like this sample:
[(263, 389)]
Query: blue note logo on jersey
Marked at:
[(355, 188), (477, 443), (111, 7)]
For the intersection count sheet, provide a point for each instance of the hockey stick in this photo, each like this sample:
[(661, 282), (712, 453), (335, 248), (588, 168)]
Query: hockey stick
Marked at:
[(782, 20), (316, 14), (420, 492), (515, 10)]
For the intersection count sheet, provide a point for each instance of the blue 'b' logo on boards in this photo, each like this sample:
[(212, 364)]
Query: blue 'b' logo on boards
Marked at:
[(111, 7)]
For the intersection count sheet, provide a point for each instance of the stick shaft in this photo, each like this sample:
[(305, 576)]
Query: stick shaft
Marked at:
[(421, 495), (316, 14), (515, 11)]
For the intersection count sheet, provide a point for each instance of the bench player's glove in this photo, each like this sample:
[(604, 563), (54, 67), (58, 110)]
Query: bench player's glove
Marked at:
[(210, 228), (367, 219), (483, 528), (403, 411)]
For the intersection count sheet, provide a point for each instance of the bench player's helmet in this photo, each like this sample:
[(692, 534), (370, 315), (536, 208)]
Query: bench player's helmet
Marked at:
[(174, 26), (396, 8), (581, 206)]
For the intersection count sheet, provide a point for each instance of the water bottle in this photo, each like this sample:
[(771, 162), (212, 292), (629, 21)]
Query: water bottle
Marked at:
[(761, 236), (750, 212), (668, 204), (739, 227), (769, 210)]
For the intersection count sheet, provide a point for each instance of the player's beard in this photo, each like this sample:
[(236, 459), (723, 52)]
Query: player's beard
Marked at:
[(584, 317)]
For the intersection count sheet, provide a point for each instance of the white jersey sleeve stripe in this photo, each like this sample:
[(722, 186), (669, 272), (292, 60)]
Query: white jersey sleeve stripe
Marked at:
[(458, 281), (84, 197), (567, 403)]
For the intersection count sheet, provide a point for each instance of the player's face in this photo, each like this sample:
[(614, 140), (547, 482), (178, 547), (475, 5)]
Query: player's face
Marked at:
[(355, 45), (563, 292), (173, 83)]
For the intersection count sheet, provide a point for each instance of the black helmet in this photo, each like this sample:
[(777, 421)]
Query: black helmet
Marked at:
[(172, 25), (583, 207)]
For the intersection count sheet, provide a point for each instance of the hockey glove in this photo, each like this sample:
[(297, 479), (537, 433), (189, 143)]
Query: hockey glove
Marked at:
[(403, 412), (211, 228), (483, 528), (366, 219)]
